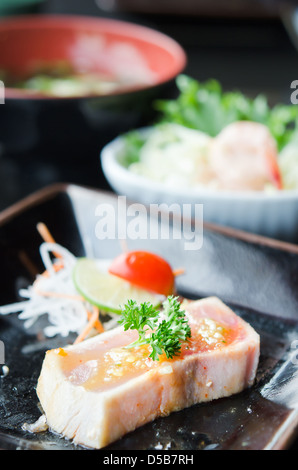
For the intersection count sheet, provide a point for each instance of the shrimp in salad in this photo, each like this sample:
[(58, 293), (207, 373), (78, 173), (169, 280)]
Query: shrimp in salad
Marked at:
[(244, 156)]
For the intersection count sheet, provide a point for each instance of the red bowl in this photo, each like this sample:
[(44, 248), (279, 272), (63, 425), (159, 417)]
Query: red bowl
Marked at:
[(88, 44), (34, 125)]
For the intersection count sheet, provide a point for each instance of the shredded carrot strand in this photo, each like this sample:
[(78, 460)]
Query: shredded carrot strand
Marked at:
[(48, 238), (56, 267), (60, 295), (179, 271), (46, 235), (98, 325), (90, 325)]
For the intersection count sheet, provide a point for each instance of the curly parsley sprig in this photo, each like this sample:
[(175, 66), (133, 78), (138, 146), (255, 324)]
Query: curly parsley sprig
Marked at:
[(164, 331)]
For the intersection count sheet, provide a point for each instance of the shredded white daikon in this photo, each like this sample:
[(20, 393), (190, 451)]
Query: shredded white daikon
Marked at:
[(53, 294)]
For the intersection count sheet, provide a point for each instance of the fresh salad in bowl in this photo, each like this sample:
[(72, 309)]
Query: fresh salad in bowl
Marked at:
[(211, 139)]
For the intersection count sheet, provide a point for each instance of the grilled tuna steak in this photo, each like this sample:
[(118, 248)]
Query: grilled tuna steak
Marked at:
[(97, 391)]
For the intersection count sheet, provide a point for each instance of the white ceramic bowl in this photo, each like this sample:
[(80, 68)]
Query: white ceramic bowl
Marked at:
[(273, 214)]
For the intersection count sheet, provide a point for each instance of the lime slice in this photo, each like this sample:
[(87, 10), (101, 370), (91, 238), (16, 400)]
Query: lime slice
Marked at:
[(106, 291)]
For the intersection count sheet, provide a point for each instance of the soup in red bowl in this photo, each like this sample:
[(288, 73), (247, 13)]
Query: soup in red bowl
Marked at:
[(69, 79)]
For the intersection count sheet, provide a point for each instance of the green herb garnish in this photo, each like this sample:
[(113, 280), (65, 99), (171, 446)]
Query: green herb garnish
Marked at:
[(206, 107), (164, 331)]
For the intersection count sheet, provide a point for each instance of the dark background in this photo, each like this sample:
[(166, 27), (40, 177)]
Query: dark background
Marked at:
[(242, 43)]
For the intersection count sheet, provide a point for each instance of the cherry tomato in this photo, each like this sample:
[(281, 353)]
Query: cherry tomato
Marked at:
[(146, 270)]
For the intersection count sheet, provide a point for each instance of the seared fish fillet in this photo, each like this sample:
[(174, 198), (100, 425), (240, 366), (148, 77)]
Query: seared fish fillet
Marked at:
[(97, 391)]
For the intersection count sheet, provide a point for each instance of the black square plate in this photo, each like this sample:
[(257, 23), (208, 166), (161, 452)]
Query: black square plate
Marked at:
[(257, 277)]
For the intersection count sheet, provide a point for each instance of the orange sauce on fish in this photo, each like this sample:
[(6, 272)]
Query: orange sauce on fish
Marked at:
[(104, 368)]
